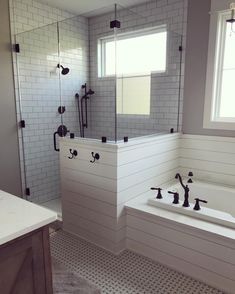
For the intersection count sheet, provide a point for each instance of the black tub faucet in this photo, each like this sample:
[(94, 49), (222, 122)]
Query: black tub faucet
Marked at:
[(159, 194), (197, 205), (176, 197), (186, 190)]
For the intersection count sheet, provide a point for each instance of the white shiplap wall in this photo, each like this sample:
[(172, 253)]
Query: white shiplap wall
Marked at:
[(211, 158), (189, 248), (203, 255), (94, 195)]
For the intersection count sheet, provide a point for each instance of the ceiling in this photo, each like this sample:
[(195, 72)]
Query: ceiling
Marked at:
[(89, 7)]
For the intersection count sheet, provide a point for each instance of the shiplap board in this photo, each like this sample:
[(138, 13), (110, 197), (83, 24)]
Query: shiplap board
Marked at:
[(144, 187), (92, 216), (95, 228), (96, 168), (100, 182), (143, 151), (183, 266), (210, 158), (141, 165), (87, 190), (94, 238), (219, 267), (143, 176), (209, 248), (91, 203)]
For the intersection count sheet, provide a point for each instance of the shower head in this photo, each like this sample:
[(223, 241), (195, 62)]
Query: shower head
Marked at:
[(65, 70)]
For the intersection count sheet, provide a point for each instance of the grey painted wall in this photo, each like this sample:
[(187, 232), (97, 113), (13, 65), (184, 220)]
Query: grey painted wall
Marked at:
[(195, 69), (10, 180)]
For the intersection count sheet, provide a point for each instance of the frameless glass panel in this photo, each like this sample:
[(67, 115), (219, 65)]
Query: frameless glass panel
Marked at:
[(130, 46), (74, 56), (102, 103), (148, 75), (39, 90)]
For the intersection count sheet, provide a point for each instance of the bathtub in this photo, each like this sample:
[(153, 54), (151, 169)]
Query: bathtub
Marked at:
[(220, 208)]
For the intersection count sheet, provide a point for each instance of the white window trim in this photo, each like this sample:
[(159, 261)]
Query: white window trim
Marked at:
[(210, 121), (120, 36)]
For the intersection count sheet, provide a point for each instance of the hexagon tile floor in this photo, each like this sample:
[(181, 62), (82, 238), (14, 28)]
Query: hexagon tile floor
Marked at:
[(128, 273)]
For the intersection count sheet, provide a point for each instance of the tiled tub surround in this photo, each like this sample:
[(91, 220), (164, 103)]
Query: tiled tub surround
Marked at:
[(164, 87), (94, 197), (42, 90)]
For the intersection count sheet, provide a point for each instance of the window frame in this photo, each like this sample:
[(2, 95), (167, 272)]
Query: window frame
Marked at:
[(216, 49), (121, 36)]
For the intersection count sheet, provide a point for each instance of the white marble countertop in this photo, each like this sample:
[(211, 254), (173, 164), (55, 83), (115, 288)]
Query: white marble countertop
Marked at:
[(19, 217)]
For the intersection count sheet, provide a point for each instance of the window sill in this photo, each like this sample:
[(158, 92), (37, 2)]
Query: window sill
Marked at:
[(219, 125)]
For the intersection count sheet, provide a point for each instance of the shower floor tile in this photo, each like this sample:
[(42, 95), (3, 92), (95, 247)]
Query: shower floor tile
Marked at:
[(128, 273)]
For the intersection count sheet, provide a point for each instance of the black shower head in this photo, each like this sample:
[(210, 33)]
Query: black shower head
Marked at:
[(65, 70)]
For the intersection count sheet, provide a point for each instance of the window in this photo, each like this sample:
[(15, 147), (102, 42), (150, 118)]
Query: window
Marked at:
[(219, 111), (133, 95), (132, 57), (138, 52)]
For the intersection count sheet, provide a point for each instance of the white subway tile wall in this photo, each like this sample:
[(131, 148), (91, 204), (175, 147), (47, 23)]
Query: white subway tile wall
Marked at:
[(41, 90), (40, 86), (164, 88)]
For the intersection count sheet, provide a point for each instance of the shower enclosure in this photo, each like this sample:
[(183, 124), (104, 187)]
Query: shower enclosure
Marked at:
[(115, 73)]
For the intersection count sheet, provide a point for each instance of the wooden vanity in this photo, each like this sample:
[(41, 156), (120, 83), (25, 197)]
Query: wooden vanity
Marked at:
[(25, 262)]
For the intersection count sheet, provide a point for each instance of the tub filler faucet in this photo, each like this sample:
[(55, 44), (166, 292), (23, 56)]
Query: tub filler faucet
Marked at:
[(186, 190)]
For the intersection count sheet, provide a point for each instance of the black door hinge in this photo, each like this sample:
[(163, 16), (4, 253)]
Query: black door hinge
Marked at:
[(17, 48), (27, 191), (180, 48), (22, 124)]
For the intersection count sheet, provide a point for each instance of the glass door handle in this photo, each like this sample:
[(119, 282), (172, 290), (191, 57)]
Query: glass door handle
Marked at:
[(55, 146), (62, 132)]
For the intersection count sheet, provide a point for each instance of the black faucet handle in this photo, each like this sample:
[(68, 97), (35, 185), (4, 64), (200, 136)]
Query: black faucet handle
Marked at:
[(176, 197), (159, 194), (197, 204), (190, 174)]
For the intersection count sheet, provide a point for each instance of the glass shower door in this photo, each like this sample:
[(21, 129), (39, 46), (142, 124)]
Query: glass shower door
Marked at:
[(39, 102)]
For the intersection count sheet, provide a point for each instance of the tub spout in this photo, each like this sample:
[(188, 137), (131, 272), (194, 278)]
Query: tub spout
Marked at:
[(186, 190)]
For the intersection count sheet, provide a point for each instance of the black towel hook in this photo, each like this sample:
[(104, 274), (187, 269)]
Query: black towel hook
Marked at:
[(73, 153), (95, 156)]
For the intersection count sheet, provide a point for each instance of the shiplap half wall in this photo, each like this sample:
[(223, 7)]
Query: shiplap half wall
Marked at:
[(94, 194), (212, 159)]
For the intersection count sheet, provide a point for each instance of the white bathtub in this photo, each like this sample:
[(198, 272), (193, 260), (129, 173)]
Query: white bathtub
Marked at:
[(220, 208)]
